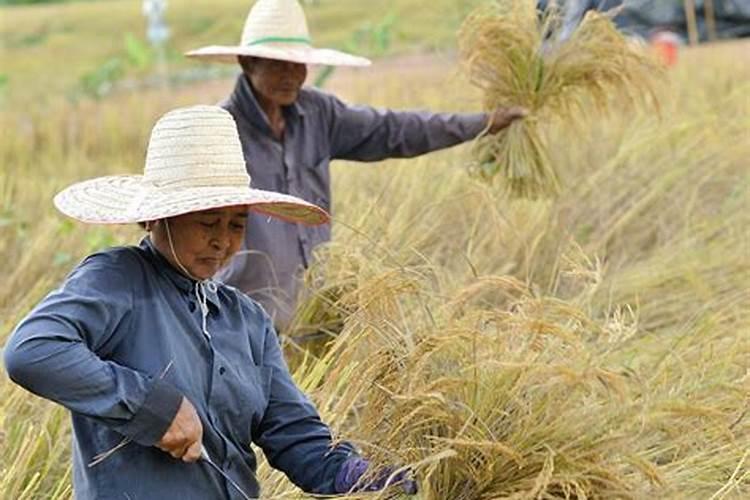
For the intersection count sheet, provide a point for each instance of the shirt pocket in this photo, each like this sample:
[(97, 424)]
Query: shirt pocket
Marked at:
[(317, 183)]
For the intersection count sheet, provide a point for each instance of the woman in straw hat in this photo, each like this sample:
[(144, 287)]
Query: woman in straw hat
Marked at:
[(161, 366), (290, 134)]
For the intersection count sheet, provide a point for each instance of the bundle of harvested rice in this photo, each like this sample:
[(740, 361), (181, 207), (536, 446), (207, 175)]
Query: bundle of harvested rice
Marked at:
[(517, 56)]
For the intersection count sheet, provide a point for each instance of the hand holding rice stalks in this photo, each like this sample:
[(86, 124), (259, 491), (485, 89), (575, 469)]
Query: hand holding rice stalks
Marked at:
[(516, 56)]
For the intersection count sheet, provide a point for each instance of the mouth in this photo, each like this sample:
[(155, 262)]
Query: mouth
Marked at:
[(211, 261)]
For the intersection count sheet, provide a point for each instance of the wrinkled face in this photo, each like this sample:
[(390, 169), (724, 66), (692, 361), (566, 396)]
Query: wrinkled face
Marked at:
[(277, 82), (203, 241)]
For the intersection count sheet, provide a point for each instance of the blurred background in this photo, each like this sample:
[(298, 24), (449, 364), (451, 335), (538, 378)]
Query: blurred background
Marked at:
[(91, 49)]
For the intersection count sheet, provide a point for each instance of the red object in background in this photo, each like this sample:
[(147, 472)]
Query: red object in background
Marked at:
[(667, 46)]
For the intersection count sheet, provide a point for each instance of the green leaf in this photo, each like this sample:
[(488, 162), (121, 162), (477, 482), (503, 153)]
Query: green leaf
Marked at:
[(138, 53), (61, 258)]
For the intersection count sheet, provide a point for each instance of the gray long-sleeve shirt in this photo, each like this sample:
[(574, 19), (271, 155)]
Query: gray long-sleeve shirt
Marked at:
[(318, 128), (99, 346)]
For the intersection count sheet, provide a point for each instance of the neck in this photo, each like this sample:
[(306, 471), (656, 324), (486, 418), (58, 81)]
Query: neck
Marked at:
[(164, 244), (273, 112)]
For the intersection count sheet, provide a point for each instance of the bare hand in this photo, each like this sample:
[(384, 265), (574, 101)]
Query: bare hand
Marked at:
[(184, 436), (502, 117)]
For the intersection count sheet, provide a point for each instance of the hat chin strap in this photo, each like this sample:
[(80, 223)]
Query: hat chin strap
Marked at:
[(174, 254), (200, 285)]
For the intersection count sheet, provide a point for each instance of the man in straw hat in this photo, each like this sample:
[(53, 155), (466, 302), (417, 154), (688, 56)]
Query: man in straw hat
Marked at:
[(290, 134), (162, 367)]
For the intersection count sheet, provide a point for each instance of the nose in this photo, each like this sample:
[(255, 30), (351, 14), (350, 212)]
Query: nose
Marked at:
[(292, 68), (220, 237)]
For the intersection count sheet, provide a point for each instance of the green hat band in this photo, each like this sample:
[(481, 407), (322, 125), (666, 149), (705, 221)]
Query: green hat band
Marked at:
[(302, 40)]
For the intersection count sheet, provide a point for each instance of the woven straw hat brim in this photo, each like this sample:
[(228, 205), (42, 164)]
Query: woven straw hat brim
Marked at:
[(279, 51), (124, 199)]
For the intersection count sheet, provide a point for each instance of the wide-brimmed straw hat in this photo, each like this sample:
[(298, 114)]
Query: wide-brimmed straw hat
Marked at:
[(194, 162), (277, 29)]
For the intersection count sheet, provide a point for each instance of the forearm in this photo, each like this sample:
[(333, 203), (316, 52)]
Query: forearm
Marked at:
[(415, 133), (291, 433), (364, 133), (296, 441), (312, 466), (64, 370)]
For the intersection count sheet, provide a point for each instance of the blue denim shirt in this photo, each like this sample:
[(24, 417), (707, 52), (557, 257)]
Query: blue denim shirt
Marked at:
[(318, 128), (100, 345)]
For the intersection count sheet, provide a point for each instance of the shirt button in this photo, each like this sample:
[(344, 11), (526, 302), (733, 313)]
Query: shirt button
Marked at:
[(222, 370)]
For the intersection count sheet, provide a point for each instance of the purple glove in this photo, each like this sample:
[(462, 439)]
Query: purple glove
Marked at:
[(347, 479)]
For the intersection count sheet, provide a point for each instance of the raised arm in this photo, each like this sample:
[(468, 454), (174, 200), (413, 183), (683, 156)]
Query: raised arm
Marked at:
[(364, 133), (55, 352)]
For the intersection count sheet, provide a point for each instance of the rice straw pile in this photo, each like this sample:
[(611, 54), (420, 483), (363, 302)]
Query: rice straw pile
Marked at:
[(516, 56)]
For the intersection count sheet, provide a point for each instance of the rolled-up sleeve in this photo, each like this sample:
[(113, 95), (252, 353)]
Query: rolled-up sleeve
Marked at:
[(363, 133), (291, 433), (56, 353)]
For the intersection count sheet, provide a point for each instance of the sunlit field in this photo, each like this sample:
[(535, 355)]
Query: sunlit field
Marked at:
[(594, 345)]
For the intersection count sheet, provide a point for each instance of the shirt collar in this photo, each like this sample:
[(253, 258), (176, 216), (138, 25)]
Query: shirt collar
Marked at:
[(181, 281), (248, 106)]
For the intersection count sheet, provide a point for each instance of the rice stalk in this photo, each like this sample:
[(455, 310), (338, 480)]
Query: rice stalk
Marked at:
[(516, 56)]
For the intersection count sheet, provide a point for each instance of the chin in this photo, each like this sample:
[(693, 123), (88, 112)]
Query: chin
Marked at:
[(287, 99), (204, 272)]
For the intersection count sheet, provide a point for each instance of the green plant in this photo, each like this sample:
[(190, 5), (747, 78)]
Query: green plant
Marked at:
[(373, 38), (98, 82), (139, 54)]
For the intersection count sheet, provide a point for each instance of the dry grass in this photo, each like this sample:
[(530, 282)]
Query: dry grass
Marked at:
[(47, 49), (516, 56), (594, 345)]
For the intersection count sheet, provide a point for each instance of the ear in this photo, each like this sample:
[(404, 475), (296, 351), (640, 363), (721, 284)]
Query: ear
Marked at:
[(154, 225), (246, 63)]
